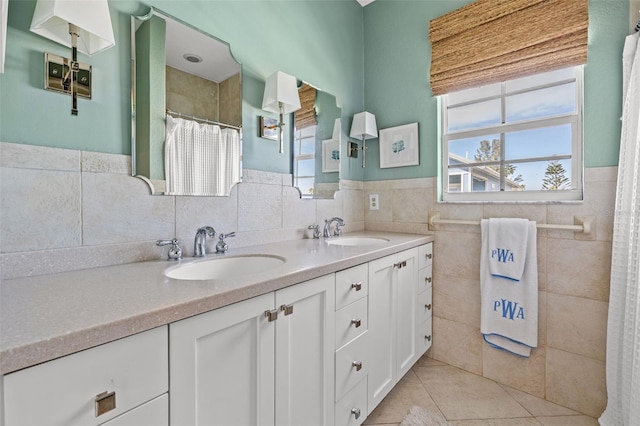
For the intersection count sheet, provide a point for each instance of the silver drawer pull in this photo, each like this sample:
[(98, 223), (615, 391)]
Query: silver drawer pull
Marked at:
[(105, 402), (356, 413), (428, 338), (287, 309), (427, 279), (357, 286), (271, 315), (357, 365), (428, 307), (356, 322), (429, 256), (400, 265)]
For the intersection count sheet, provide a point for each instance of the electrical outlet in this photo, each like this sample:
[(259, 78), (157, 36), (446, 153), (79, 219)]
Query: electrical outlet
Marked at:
[(374, 202)]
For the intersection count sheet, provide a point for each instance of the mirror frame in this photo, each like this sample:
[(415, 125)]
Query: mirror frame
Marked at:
[(157, 186)]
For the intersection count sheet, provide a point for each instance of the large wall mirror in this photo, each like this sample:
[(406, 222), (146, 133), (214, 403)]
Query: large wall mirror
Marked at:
[(186, 108), (316, 143)]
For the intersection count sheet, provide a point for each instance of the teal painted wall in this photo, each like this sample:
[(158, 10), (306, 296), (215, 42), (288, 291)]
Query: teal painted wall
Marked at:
[(397, 60), (319, 41), (381, 50)]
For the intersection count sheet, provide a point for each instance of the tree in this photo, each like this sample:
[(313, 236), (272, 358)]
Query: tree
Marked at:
[(490, 151), (555, 177)]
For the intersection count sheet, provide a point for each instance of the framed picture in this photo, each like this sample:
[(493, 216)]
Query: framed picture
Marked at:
[(399, 146), (268, 128), (330, 156)]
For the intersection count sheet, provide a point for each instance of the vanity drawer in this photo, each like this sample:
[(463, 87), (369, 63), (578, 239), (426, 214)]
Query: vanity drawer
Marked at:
[(425, 278), (425, 255), (352, 364), (351, 321), (425, 307), (351, 409), (351, 285), (64, 391), (424, 339)]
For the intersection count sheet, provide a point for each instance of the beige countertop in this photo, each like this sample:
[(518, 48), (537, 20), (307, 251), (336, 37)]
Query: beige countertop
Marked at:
[(49, 316)]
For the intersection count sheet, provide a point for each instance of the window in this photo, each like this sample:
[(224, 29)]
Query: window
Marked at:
[(304, 160), (518, 140)]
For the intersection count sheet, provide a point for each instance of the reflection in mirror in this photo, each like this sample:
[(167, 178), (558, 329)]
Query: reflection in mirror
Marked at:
[(316, 144), (186, 108)]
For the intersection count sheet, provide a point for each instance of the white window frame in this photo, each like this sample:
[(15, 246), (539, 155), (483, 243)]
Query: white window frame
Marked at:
[(297, 139), (531, 196)]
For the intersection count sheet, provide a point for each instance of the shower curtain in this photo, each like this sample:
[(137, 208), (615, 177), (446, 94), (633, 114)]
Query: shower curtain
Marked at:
[(200, 159), (623, 328)]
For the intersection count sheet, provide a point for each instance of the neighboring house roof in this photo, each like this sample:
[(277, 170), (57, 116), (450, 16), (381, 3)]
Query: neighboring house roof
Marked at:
[(457, 159)]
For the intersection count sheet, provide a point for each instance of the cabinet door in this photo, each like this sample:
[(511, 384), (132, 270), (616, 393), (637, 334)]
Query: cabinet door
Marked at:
[(382, 333), (407, 293), (304, 353), (221, 366)]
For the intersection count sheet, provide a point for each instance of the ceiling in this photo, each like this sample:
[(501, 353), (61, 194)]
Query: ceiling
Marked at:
[(217, 63)]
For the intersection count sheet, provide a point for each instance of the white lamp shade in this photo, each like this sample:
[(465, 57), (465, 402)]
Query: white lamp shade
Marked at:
[(51, 19), (364, 126), (281, 88)]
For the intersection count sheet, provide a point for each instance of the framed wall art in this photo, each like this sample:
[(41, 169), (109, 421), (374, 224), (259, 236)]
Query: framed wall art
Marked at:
[(399, 146), (330, 156), (268, 128)]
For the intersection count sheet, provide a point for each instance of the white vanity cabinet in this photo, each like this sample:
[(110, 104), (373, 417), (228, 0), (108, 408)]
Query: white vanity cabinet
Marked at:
[(352, 345), (425, 306), (121, 383), (263, 361), (393, 284)]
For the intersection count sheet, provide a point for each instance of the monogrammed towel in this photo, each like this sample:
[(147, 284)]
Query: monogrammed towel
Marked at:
[(507, 247), (509, 308)]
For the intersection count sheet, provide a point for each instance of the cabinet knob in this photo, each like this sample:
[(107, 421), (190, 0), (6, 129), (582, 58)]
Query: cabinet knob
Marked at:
[(357, 286), (357, 365), (271, 315), (105, 402), (356, 322), (428, 338), (400, 265), (427, 279), (428, 307), (287, 309), (355, 412), (429, 256)]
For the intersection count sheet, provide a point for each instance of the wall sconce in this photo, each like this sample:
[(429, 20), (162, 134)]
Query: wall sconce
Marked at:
[(281, 96), (79, 24), (363, 127)]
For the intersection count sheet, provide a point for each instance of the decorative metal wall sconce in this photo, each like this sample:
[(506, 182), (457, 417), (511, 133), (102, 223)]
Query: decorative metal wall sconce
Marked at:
[(363, 127)]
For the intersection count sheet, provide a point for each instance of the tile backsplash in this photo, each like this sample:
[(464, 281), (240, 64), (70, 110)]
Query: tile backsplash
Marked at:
[(62, 210)]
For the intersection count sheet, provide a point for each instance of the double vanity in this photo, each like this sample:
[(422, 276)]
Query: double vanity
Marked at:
[(312, 331)]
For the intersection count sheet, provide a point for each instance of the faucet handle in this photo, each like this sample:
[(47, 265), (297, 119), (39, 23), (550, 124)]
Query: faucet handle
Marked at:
[(175, 252), (222, 246), (316, 230), (338, 230)]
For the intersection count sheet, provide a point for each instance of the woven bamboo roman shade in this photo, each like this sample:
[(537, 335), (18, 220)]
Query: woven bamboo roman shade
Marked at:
[(306, 115), (488, 41)]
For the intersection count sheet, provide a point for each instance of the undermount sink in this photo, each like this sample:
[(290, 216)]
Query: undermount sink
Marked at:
[(224, 267), (356, 241)]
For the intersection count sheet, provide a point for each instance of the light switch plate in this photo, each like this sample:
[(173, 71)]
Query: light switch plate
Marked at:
[(374, 202)]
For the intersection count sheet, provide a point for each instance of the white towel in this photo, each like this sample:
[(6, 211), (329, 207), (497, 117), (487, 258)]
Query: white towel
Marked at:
[(509, 309), (508, 247)]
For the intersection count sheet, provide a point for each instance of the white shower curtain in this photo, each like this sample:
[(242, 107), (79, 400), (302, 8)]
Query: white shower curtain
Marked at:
[(623, 328), (200, 159)]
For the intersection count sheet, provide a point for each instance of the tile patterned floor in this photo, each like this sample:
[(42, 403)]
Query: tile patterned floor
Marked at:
[(466, 399)]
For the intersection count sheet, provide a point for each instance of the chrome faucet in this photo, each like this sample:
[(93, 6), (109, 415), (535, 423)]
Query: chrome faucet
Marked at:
[(327, 227), (199, 247)]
